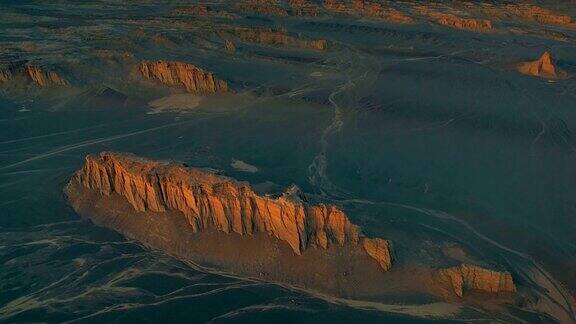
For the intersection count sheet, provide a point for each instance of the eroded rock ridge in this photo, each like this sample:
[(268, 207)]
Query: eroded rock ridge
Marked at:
[(192, 78), (211, 201)]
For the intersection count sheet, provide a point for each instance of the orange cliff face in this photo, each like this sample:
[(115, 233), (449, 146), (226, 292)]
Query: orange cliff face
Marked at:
[(451, 20), (469, 277), (544, 67), (192, 78), (44, 78), (209, 201), (34, 74)]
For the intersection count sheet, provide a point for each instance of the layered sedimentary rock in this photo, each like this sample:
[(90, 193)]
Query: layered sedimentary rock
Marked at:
[(277, 37), (188, 76), (544, 67), (209, 201), (469, 277), (32, 73)]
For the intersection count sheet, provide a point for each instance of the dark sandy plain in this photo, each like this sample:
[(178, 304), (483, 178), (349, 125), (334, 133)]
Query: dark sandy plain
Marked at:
[(421, 129)]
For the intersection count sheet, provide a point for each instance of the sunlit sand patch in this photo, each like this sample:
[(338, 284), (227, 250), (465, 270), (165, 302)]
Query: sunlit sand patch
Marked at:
[(243, 166), (180, 102)]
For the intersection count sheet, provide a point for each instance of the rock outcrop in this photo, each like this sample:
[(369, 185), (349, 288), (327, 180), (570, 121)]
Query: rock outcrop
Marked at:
[(469, 277), (453, 21), (367, 9), (188, 76), (32, 73), (303, 8), (229, 46), (209, 201), (263, 7), (379, 250), (277, 37), (5, 74), (544, 67), (528, 12)]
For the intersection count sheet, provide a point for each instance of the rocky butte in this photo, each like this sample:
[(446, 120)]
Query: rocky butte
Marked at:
[(544, 67), (218, 222), (179, 74)]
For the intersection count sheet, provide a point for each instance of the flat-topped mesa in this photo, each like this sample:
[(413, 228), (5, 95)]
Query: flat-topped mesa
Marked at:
[(32, 73), (211, 201), (544, 67), (469, 277), (192, 78)]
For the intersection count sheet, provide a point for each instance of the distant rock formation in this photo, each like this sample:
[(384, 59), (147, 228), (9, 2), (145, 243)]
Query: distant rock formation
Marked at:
[(5, 74), (469, 277), (229, 46), (528, 12), (462, 23), (367, 9), (196, 9), (192, 78), (262, 7), (544, 67), (303, 8), (277, 37), (209, 201), (33, 73)]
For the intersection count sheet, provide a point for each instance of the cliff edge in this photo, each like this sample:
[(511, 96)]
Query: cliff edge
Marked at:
[(210, 201)]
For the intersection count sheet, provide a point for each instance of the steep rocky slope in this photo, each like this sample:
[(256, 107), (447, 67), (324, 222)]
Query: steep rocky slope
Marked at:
[(208, 217), (470, 277), (211, 201), (32, 73), (192, 78), (544, 67)]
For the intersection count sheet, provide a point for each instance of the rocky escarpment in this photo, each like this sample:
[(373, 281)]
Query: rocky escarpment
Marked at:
[(209, 201), (188, 76), (32, 73), (367, 9), (276, 37), (439, 16), (528, 12), (470, 277), (544, 67), (462, 23)]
